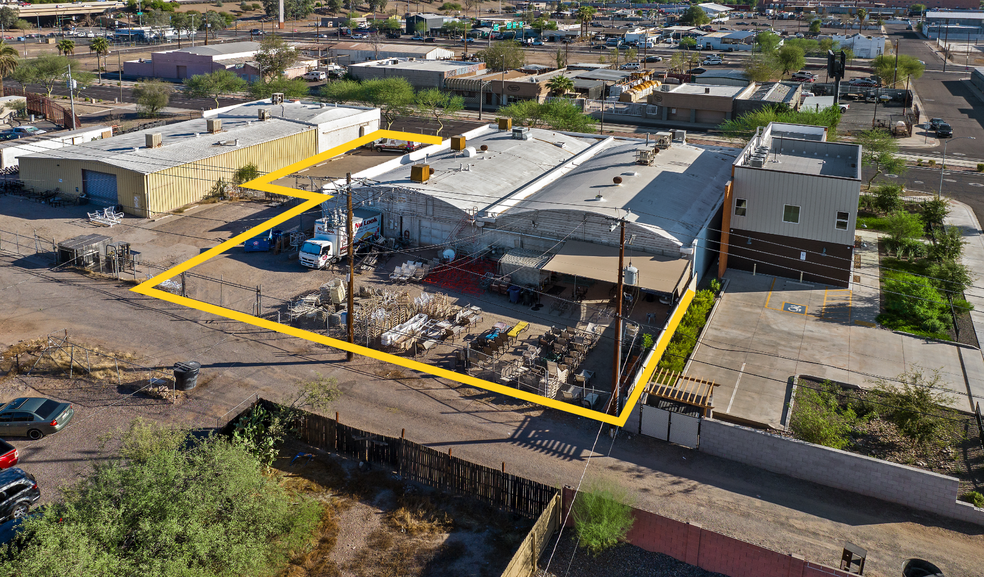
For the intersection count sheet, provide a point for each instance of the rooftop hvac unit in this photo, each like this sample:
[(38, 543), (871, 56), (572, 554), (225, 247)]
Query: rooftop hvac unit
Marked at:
[(757, 162), (263, 114), (214, 125), (420, 173), (521, 133), (680, 135), (505, 124), (277, 98), (458, 142), (154, 140)]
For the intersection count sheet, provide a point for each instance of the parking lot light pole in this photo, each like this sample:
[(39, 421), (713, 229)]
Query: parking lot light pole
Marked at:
[(943, 164)]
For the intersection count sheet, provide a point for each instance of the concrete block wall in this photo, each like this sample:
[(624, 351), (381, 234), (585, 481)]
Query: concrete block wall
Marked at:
[(900, 484), (691, 543)]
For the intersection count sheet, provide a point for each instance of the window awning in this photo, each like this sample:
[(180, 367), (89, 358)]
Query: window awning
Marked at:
[(599, 262)]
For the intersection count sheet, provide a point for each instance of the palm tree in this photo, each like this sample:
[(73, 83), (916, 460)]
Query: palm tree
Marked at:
[(101, 47), (66, 46), (560, 85), (8, 62), (584, 15)]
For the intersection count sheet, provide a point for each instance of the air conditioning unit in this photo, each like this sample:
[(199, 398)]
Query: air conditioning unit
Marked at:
[(420, 173), (155, 140), (277, 98), (263, 114), (214, 125), (521, 133), (757, 161)]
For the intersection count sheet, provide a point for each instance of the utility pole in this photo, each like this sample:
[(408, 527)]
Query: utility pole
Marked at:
[(350, 314), (280, 15), (71, 94), (613, 402), (895, 77), (946, 43), (119, 60)]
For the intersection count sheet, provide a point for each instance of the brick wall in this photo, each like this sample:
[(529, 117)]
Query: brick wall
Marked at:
[(900, 484), (712, 551)]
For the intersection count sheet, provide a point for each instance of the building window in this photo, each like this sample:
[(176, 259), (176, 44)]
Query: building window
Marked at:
[(842, 220), (791, 214), (741, 205)]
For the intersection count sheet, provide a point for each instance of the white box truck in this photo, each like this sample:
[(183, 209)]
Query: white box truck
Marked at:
[(329, 245)]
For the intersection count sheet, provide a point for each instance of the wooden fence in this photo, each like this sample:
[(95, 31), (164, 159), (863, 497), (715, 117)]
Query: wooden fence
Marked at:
[(525, 561), (424, 465), (41, 105)]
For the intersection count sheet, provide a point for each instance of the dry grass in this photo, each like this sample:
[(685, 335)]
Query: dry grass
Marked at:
[(418, 516), (317, 562)]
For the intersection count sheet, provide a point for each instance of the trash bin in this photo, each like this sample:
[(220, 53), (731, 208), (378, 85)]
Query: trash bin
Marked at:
[(920, 568), (186, 375)]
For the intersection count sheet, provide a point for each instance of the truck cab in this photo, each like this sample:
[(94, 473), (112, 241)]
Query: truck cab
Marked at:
[(316, 253)]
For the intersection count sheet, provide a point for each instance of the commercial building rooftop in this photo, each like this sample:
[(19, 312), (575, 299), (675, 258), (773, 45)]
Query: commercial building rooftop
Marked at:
[(227, 49), (801, 150), (450, 66), (708, 89)]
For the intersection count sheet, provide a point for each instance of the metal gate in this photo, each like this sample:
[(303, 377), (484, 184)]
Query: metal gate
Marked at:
[(100, 187), (670, 426)]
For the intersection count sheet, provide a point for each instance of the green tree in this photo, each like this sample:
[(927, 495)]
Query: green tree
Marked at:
[(342, 91), (917, 8), (274, 56), (934, 212), (631, 55), (153, 96), (561, 59), (888, 198), (214, 84), (8, 18), (393, 97), (505, 55), (760, 68), (745, 125), (455, 29), (879, 151), (694, 16), (790, 58), (908, 66), (947, 244), (902, 227), (289, 87), (914, 404), (687, 43), (819, 418), (767, 42), (101, 47), (862, 16), (525, 113), (602, 515), (214, 22), (450, 7), (815, 26), (438, 105), (951, 278), (47, 70), (131, 514), (566, 115), (318, 393), (65, 46), (584, 15), (293, 9), (8, 62), (560, 85)]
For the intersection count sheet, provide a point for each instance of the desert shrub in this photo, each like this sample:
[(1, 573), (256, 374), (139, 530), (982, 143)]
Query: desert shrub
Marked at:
[(819, 418), (888, 198), (913, 404), (260, 432), (973, 497), (913, 304), (602, 516), (980, 167), (685, 338)]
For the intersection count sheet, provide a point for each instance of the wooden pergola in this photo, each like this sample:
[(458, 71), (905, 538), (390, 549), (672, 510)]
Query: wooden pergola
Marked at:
[(673, 386)]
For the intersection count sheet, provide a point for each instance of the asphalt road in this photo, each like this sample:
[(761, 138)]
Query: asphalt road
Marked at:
[(962, 185), (944, 94)]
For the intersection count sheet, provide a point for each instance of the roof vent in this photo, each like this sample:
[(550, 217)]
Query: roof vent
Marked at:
[(617, 180), (521, 133), (154, 140), (263, 114), (214, 125), (277, 98), (484, 148), (707, 90)]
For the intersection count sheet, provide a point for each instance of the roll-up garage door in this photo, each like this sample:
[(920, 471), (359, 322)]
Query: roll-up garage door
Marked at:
[(100, 187)]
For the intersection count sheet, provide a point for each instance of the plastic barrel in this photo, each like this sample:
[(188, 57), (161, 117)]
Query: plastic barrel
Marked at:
[(186, 375)]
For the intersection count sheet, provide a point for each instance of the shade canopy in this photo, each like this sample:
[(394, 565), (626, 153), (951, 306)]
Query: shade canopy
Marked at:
[(599, 262)]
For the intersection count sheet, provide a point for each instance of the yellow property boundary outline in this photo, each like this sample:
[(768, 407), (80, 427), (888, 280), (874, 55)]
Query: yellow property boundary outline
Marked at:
[(316, 198)]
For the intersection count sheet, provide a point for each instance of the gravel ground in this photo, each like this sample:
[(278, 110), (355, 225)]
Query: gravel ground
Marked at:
[(624, 560)]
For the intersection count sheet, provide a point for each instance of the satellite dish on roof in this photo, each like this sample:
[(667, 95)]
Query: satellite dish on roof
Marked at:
[(448, 255)]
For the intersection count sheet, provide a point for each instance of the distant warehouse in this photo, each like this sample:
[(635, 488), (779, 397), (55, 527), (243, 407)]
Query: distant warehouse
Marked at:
[(157, 170)]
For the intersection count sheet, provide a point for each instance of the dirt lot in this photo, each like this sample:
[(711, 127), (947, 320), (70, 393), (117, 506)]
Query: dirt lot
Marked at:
[(378, 525)]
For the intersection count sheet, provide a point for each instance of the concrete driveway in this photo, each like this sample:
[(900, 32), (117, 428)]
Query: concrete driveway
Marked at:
[(768, 329)]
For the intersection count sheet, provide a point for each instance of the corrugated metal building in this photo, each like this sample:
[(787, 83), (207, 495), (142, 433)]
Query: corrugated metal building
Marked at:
[(554, 193), (157, 170), (792, 208)]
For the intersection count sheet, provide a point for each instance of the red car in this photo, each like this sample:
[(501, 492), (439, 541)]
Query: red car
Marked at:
[(8, 455)]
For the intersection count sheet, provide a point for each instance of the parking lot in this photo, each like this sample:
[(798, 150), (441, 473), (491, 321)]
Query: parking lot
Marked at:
[(766, 330)]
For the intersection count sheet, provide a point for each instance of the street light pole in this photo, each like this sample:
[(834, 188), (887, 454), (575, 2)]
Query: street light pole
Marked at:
[(943, 164)]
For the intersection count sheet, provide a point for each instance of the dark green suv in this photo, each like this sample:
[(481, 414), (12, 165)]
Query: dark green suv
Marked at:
[(34, 417)]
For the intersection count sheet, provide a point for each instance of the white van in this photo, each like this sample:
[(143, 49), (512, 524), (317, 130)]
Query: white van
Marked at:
[(315, 76)]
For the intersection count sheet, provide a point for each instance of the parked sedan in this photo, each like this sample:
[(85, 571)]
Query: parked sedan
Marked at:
[(34, 417), (9, 455), (654, 58), (392, 145)]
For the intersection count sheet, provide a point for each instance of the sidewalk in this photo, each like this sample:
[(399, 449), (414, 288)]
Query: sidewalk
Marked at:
[(963, 217)]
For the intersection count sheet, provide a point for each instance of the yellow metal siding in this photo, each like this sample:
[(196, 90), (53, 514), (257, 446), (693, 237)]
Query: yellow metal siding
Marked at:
[(148, 194), (66, 176), (189, 183)]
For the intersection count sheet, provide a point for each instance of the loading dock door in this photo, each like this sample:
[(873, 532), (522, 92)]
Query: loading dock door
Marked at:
[(101, 187)]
